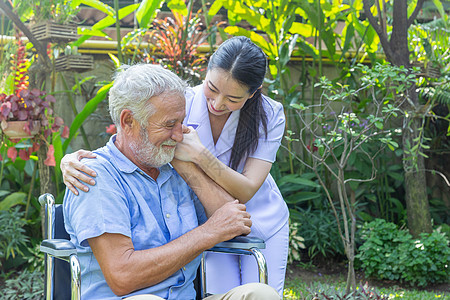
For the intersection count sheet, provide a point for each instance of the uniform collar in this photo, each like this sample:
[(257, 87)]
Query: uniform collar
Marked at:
[(199, 120), (198, 112)]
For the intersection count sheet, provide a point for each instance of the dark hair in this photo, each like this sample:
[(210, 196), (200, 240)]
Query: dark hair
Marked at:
[(247, 64)]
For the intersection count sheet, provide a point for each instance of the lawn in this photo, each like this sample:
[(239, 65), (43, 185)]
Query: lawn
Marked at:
[(328, 282)]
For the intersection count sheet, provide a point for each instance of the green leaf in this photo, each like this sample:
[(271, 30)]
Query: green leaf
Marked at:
[(298, 180), (396, 176), (379, 125), (302, 197), (90, 32), (441, 10), (178, 6), (215, 7), (97, 4), (4, 193), (79, 83), (107, 21), (115, 60), (12, 200), (88, 109), (268, 48), (147, 11), (308, 49), (349, 33), (305, 30), (59, 153)]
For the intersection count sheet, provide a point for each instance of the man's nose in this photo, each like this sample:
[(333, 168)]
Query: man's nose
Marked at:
[(177, 133)]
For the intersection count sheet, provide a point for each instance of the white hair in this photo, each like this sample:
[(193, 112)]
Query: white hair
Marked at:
[(135, 85)]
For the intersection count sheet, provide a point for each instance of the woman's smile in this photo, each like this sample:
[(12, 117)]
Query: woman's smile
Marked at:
[(214, 109)]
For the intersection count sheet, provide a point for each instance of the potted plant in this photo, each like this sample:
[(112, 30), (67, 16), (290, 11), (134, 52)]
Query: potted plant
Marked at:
[(73, 61), (27, 115), (54, 20)]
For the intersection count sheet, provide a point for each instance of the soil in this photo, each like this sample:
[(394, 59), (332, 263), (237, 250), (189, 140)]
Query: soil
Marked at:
[(335, 270)]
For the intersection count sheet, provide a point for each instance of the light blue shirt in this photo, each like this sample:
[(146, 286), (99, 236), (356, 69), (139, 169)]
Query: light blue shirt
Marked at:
[(267, 207), (127, 201)]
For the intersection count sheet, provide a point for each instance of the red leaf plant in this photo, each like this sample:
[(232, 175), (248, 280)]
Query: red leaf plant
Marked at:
[(30, 106)]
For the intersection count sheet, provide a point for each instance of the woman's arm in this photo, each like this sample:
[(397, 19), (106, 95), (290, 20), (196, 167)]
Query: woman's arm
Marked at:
[(210, 194), (72, 169), (241, 186)]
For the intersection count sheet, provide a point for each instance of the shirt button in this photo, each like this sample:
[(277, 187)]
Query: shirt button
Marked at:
[(184, 268), (167, 215)]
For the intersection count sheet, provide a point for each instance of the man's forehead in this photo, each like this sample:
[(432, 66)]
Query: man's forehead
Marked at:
[(169, 107)]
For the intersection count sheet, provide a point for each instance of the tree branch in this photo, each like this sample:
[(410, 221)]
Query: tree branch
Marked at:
[(378, 29), (40, 48)]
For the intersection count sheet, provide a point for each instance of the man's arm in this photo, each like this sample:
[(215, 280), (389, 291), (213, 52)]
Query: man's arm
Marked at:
[(211, 195), (127, 270)]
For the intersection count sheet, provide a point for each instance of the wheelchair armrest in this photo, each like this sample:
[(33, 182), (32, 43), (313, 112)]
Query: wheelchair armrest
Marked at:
[(58, 247), (241, 245), (242, 242)]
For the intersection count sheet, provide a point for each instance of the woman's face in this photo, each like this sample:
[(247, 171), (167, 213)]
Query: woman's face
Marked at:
[(223, 93)]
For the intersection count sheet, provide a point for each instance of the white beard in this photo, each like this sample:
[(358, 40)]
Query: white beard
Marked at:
[(148, 154)]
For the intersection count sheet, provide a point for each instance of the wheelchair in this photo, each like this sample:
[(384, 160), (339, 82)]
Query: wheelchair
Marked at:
[(63, 275)]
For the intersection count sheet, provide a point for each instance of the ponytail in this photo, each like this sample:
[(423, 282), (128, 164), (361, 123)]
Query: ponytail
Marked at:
[(247, 133)]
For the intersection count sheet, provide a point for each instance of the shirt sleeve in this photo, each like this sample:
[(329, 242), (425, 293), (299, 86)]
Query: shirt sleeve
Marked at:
[(104, 209), (199, 209), (267, 148)]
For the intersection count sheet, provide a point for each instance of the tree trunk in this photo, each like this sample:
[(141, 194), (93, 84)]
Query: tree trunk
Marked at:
[(416, 197), (45, 172), (418, 211), (397, 53)]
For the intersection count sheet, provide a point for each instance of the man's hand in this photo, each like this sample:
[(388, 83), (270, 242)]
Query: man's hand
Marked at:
[(126, 269), (229, 221)]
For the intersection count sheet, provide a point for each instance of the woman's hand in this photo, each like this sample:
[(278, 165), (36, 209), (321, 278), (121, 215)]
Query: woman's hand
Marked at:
[(191, 146), (72, 169)]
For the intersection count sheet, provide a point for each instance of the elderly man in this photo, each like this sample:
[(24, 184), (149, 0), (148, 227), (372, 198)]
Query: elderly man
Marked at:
[(140, 229)]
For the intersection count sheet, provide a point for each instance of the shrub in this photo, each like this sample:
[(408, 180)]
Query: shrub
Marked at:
[(12, 233), (295, 243), (393, 254), (27, 285), (320, 231)]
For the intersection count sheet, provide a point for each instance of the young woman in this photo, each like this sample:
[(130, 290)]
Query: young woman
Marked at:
[(236, 134)]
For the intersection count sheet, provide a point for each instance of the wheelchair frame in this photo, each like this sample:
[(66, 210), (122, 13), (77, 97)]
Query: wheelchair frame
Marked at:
[(64, 250)]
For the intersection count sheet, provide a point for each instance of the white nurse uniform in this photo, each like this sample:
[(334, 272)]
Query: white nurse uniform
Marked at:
[(269, 213)]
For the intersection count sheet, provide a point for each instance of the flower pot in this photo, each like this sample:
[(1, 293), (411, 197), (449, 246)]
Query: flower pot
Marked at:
[(53, 32), (433, 71), (16, 129), (77, 63)]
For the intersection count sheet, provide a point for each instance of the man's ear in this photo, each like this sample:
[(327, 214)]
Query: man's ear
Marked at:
[(127, 121)]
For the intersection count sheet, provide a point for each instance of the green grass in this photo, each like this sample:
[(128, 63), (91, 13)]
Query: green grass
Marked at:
[(298, 289)]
